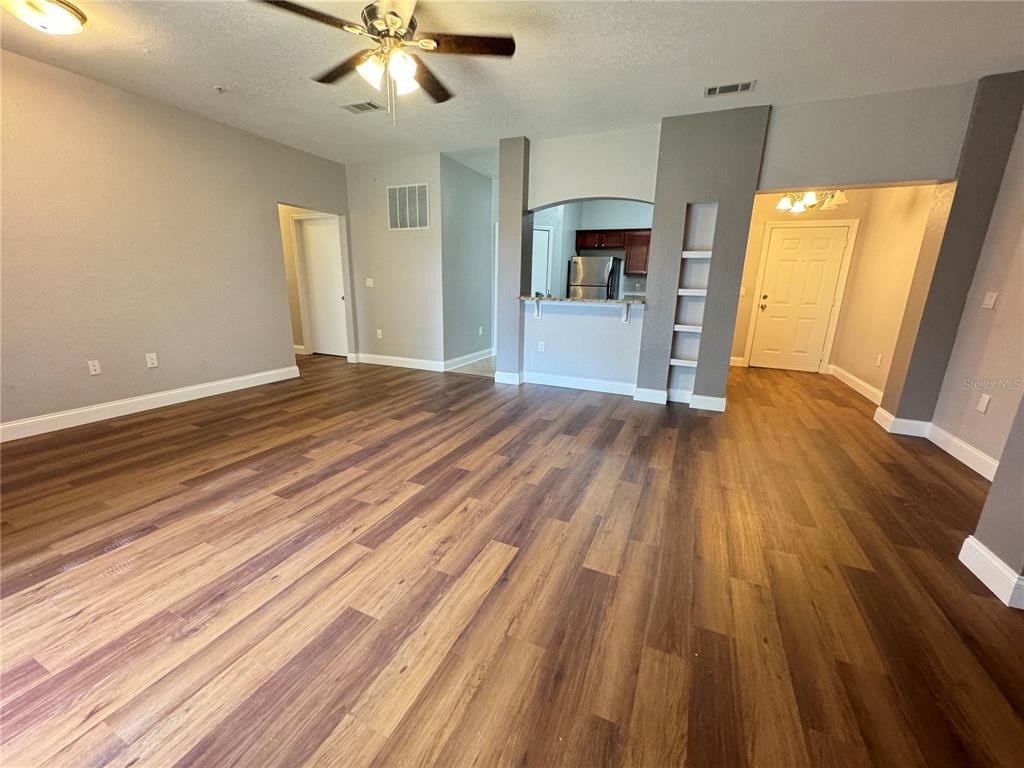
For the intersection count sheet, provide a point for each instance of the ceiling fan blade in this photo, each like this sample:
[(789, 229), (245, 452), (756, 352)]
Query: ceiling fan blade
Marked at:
[(430, 84), (310, 13), (336, 73), (471, 45)]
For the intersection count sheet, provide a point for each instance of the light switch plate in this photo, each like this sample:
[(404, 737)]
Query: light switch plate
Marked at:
[(369, 282), (983, 402), (151, 360), (990, 300), (540, 346), (380, 333)]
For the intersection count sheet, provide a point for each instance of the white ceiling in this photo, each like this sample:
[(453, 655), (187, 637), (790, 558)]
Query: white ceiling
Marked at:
[(580, 67)]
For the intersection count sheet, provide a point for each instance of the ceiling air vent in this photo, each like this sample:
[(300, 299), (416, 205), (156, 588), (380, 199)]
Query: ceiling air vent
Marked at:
[(362, 107), (722, 90), (407, 207)]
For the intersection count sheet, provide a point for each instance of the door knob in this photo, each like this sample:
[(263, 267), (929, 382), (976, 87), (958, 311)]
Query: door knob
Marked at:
[(763, 307), (764, 295)]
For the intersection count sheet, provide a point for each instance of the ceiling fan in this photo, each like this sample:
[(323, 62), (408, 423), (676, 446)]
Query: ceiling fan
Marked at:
[(387, 62)]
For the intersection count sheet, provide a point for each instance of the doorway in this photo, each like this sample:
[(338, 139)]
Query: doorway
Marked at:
[(316, 256), (799, 292)]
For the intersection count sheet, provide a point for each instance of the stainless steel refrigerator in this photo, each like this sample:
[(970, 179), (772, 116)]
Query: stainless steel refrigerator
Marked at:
[(594, 277)]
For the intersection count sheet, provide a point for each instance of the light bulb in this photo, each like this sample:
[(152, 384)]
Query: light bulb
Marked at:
[(372, 70), (810, 198), (798, 207), (54, 17), (408, 85), (402, 66), (785, 203)]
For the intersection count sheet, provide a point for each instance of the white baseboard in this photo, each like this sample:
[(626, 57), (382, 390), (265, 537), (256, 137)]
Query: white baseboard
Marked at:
[(859, 386), (706, 403), (398, 362), (679, 395), (960, 450), (576, 382), (472, 357), (738, 361), (504, 377), (965, 453), (301, 350), (659, 396), (910, 427), (1004, 581), (51, 422)]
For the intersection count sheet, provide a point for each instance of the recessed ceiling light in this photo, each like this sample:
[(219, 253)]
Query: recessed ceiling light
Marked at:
[(54, 17)]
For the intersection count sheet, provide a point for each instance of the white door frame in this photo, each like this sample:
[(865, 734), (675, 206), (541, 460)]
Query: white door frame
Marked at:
[(300, 277), (551, 249), (837, 304)]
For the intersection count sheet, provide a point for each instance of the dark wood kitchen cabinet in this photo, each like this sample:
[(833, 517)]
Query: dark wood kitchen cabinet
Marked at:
[(638, 246), (588, 239), (612, 239)]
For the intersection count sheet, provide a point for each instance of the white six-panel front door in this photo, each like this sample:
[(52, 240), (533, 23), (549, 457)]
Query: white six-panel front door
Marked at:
[(792, 313)]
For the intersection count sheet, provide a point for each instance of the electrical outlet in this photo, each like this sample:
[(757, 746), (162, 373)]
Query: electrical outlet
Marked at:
[(878, 362), (94, 367), (380, 333), (989, 301), (983, 402), (480, 331), (151, 361), (540, 346), (369, 282)]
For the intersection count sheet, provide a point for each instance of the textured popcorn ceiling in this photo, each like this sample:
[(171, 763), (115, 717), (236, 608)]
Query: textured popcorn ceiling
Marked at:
[(580, 66)]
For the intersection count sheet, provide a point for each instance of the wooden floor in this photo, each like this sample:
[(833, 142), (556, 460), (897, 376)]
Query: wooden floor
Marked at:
[(380, 566)]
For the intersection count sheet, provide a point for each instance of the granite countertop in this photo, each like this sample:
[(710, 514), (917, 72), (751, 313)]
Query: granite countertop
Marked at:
[(626, 300)]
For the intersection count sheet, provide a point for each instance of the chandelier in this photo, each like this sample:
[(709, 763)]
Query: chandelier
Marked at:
[(798, 202)]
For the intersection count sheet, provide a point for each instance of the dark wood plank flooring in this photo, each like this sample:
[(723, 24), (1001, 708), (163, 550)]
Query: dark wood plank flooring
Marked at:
[(374, 566)]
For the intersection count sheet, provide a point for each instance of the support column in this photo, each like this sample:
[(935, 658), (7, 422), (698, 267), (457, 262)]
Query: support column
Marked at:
[(515, 251), (944, 272), (995, 553)]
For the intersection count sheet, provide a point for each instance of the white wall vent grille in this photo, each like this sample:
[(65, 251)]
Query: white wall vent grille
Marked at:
[(723, 90), (407, 207), (362, 107)]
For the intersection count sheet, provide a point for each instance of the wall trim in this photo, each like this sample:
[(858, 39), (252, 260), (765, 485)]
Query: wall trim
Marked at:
[(51, 422), (472, 357), (504, 377), (859, 386), (959, 449), (576, 382), (679, 395), (707, 403), (300, 349), (400, 362), (964, 452), (658, 396), (994, 573), (738, 361)]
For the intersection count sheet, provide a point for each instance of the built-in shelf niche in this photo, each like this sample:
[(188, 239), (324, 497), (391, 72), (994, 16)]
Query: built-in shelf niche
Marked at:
[(695, 267)]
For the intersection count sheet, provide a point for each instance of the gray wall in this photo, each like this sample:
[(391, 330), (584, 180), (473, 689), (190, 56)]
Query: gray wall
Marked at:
[(132, 227), (467, 259), (886, 138), (515, 250), (1001, 526), (405, 302), (988, 356), (711, 157), (615, 214), (986, 149)]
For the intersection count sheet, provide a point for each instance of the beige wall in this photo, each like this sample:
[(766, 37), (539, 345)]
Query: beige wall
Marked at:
[(988, 356), (284, 214), (131, 227), (891, 225)]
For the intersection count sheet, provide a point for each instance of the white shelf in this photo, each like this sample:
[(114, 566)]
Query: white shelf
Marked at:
[(696, 254), (683, 363), (687, 328), (693, 291)]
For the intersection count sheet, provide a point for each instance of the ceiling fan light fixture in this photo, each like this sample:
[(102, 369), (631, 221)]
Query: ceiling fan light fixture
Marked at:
[(372, 70), (401, 66), (405, 85), (54, 17)]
